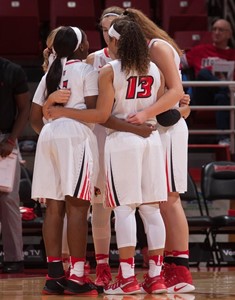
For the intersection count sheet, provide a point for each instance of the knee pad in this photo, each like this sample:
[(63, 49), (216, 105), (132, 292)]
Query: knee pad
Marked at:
[(153, 225), (125, 226), (100, 221)]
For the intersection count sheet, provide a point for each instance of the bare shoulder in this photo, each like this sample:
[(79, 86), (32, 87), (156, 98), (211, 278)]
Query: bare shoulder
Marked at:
[(90, 58), (161, 48), (106, 70)]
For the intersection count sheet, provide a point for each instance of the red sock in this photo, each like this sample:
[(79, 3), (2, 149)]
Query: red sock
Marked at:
[(53, 259), (102, 258), (183, 254)]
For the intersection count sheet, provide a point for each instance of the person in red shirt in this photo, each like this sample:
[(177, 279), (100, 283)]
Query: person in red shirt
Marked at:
[(204, 59)]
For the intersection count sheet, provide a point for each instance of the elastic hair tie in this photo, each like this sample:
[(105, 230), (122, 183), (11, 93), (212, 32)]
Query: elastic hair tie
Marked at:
[(114, 33)]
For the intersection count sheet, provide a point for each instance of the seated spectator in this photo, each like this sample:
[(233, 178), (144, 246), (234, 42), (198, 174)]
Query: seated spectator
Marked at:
[(212, 62)]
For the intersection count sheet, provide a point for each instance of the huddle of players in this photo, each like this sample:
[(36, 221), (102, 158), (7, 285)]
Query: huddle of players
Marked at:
[(132, 77)]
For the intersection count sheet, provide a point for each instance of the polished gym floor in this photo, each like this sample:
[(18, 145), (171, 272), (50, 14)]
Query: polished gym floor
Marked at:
[(210, 283)]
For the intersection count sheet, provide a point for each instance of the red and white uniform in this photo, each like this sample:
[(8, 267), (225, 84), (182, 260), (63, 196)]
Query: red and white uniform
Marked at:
[(134, 165), (67, 153), (175, 143), (101, 58)]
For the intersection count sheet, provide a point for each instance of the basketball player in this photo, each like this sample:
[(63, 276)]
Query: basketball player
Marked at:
[(166, 54), (65, 162)]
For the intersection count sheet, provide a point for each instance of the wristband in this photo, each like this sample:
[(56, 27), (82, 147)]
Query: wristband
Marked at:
[(11, 141)]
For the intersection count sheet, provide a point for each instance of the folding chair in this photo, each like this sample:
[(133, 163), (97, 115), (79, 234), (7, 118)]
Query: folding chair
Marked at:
[(218, 183), (198, 225)]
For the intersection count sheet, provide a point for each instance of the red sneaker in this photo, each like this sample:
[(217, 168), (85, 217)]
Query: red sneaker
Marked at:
[(103, 275), (123, 286), (153, 285), (87, 268), (178, 279), (80, 286)]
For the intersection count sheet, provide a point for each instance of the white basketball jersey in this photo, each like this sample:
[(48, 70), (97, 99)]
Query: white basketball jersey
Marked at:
[(101, 58), (78, 76), (176, 55), (82, 80), (133, 93)]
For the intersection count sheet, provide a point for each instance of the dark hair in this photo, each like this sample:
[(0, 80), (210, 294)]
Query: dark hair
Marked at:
[(132, 47), (64, 44)]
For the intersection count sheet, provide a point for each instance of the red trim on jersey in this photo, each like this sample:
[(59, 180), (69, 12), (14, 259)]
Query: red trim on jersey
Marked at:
[(109, 194), (106, 53), (167, 178), (85, 195), (69, 62)]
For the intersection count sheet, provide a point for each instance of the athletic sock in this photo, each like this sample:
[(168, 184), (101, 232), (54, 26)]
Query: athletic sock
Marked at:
[(155, 265), (77, 266), (127, 267), (55, 267), (102, 258), (179, 258)]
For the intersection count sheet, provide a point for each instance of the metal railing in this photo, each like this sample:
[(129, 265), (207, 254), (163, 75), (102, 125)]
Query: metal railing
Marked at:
[(231, 108)]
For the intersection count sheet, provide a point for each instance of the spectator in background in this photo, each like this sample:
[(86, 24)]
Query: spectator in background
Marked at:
[(213, 62), (14, 112)]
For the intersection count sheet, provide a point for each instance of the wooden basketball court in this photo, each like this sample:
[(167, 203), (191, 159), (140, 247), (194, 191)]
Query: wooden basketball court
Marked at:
[(210, 284)]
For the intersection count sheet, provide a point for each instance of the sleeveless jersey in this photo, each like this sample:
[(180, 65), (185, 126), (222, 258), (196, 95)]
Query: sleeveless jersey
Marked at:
[(133, 93), (176, 55), (101, 58)]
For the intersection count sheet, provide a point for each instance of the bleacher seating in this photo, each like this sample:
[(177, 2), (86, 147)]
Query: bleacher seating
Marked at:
[(144, 6), (181, 8), (189, 39), (187, 23), (19, 29), (80, 13)]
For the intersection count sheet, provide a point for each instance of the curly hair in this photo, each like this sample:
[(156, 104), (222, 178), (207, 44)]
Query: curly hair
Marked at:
[(132, 48)]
